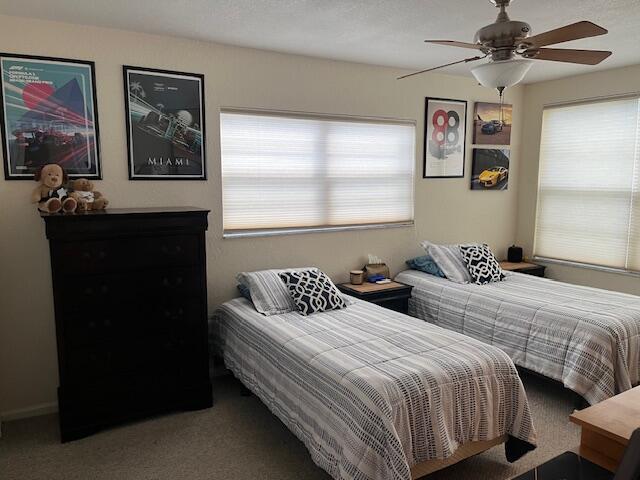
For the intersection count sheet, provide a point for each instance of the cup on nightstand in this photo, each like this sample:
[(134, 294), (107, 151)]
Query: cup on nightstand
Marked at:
[(357, 277)]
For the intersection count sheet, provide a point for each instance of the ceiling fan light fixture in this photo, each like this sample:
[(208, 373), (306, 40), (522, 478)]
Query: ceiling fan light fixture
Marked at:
[(501, 74)]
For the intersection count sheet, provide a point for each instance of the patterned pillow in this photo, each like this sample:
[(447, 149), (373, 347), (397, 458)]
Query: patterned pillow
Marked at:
[(482, 264), (449, 260), (312, 291), (425, 264)]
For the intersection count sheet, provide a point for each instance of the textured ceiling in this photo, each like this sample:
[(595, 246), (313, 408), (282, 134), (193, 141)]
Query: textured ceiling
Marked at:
[(380, 32)]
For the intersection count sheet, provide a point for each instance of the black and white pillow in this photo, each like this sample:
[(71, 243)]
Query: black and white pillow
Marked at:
[(481, 263), (312, 291)]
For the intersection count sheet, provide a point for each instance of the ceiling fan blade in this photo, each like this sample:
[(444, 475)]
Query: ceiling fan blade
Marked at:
[(574, 31), (585, 57), (453, 43), (466, 60)]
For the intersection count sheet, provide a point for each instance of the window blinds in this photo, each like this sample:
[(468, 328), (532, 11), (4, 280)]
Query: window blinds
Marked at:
[(294, 171), (588, 189)]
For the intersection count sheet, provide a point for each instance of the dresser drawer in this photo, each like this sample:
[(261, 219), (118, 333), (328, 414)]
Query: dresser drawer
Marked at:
[(132, 321), (83, 294), (110, 359), (125, 254)]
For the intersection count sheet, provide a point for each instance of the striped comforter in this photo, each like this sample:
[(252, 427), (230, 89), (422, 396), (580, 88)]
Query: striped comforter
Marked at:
[(372, 392), (586, 338)]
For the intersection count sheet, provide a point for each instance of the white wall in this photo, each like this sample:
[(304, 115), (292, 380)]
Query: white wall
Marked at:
[(598, 84), (446, 209)]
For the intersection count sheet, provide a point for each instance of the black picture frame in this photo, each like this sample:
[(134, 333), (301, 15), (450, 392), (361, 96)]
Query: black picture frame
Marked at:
[(461, 128), (490, 168), (55, 127), (186, 148)]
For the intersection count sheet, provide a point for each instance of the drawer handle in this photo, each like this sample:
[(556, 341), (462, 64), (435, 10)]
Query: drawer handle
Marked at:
[(86, 255), (92, 324), (165, 249)]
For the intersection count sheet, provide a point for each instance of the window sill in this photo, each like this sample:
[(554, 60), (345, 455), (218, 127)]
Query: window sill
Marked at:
[(587, 266), (296, 231)]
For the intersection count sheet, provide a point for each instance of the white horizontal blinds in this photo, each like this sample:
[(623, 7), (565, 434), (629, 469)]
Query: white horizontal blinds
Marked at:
[(295, 171), (588, 156), (633, 256)]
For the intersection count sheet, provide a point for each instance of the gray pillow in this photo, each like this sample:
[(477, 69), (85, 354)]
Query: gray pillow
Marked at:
[(268, 292), (449, 259)]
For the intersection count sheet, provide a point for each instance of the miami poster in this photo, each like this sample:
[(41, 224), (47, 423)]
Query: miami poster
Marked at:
[(165, 124), (49, 114)]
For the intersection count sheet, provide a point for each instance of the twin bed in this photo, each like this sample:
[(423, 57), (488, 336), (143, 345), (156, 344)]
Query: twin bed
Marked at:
[(586, 338), (375, 394)]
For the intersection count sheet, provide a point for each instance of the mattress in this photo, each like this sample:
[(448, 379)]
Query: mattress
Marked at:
[(586, 338), (372, 392)]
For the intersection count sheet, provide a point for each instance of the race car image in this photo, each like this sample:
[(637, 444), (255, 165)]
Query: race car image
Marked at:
[(492, 127), (493, 176)]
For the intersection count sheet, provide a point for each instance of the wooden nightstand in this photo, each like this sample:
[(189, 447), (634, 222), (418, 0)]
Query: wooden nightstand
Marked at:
[(524, 267), (394, 295)]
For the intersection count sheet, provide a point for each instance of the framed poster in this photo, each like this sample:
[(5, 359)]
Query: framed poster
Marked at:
[(445, 127), (165, 124), (49, 114), (492, 124), (490, 169)]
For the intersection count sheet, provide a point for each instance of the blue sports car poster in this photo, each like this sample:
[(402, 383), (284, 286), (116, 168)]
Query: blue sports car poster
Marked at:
[(492, 124), (49, 114)]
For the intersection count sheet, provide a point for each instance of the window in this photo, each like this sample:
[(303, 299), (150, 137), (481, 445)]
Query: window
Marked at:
[(589, 189), (284, 172)]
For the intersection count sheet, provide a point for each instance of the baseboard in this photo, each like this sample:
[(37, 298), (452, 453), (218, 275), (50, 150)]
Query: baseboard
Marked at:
[(32, 411)]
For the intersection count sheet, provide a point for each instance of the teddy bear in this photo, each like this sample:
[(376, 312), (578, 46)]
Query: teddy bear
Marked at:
[(86, 196), (51, 195)]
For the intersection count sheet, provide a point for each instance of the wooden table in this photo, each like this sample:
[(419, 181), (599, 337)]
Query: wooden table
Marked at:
[(393, 295), (607, 427), (524, 267)]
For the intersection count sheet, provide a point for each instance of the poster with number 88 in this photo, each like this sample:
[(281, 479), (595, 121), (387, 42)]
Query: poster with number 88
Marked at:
[(444, 138)]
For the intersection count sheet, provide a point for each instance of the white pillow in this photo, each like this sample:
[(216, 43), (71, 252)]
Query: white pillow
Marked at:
[(449, 259)]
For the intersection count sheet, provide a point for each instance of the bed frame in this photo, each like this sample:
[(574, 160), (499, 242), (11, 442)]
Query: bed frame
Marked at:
[(464, 451)]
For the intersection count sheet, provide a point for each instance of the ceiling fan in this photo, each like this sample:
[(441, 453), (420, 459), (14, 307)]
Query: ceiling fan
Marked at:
[(511, 48)]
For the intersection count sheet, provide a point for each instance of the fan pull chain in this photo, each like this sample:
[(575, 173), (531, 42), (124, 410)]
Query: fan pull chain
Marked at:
[(501, 93)]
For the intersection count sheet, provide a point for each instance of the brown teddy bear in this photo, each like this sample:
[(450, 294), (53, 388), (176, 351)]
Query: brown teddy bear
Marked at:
[(86, 196), (51, 195)]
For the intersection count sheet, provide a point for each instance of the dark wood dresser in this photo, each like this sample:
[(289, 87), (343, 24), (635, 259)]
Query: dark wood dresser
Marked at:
[(130, 296)]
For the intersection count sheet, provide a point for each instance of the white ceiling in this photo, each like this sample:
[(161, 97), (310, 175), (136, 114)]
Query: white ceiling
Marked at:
[(380, 32)]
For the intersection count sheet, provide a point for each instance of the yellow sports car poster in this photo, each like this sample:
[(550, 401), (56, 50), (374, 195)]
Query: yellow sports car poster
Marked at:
[(490, 169)]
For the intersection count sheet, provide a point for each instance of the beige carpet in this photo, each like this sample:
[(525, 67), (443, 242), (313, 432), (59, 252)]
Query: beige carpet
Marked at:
[(237, 439)]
